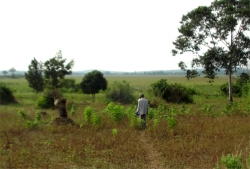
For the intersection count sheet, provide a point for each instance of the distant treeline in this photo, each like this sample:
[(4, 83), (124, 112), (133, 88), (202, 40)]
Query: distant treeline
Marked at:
[(157, 72), (18, 74)]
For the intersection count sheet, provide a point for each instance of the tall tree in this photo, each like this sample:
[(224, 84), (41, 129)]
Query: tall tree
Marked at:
[(5, 72), (93, 82), (56, 68), (34, 75), (12, 70), (219, 37)]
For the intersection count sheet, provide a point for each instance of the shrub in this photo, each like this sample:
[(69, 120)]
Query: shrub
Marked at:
[(45, 101), (243, 79), (31, 124), (237, 89), (120, 92), (136, 122), (156, 123), (95, 119), (88, 111), (114, 132), (151, 113), (115, 111), (6, 95), (69, 86), (22, 114), (154, 101), (172, 122), (248, 162), (72, 110), (232, 161), (38, 116), (232, 108), (172, 92)]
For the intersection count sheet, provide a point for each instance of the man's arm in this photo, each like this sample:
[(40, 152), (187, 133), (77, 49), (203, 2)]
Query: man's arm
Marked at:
[(138, 106)]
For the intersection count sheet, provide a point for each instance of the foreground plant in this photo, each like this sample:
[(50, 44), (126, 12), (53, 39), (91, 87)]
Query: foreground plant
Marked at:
[(87, 113), (231, 162), (116, 111), (172, 122), (95, 119), (21, 113), (73, 110), (114, 132)]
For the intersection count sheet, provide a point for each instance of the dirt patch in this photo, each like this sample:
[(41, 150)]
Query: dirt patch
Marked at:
[(63, 121), (156, 160)]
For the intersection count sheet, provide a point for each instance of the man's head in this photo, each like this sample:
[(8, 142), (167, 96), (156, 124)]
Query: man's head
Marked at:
[(141, 95)]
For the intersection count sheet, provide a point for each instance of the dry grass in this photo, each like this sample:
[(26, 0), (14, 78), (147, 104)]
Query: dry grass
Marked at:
[(50, 146), (200, 141)]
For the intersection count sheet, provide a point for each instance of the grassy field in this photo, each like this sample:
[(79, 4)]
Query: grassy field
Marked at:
[(205, 132)]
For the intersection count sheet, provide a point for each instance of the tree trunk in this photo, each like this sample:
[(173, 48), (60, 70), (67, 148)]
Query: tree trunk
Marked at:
[(230, 87), (60, 104)]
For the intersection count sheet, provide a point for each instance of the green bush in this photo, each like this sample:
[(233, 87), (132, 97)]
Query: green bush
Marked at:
[(69, 86), (6, 95), (172, 122), (237, 89), (31, 124), (22, 114), (232, 108), (95, 119), (243, 79), (114, 132), (175, 93), (116, 111), (240, 87), (120, 92), (88, 111), (46, 101), (136, 122), (151, 113), (232, 161), (72, 110)]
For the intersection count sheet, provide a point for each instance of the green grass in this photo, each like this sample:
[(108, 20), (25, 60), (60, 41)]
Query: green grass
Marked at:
[(205, 130)]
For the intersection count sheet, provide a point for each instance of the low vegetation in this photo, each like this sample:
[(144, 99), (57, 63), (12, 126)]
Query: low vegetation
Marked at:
[(120, 92), (210, 132), (175, 93), (6, 95)]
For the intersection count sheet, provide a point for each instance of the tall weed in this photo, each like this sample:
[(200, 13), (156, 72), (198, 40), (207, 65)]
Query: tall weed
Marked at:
[(231, 161), (116, 111)]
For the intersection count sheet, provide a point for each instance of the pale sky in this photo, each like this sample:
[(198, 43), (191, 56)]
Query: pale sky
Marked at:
[(114, 35)]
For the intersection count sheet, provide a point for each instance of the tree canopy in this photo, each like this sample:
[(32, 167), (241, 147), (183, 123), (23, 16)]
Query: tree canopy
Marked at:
[(93, 82), (49, 74), (56, 68), (5, 72), (34, 75), (218, 36), (12, 70)]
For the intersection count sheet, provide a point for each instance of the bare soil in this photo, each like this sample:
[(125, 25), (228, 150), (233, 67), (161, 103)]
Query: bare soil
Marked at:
[(156, 159)]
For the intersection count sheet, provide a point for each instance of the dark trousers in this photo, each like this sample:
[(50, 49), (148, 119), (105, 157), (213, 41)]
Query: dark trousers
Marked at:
[(143, 117)]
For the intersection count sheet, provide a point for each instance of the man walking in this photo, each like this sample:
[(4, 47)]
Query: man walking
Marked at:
[(142, 109)]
